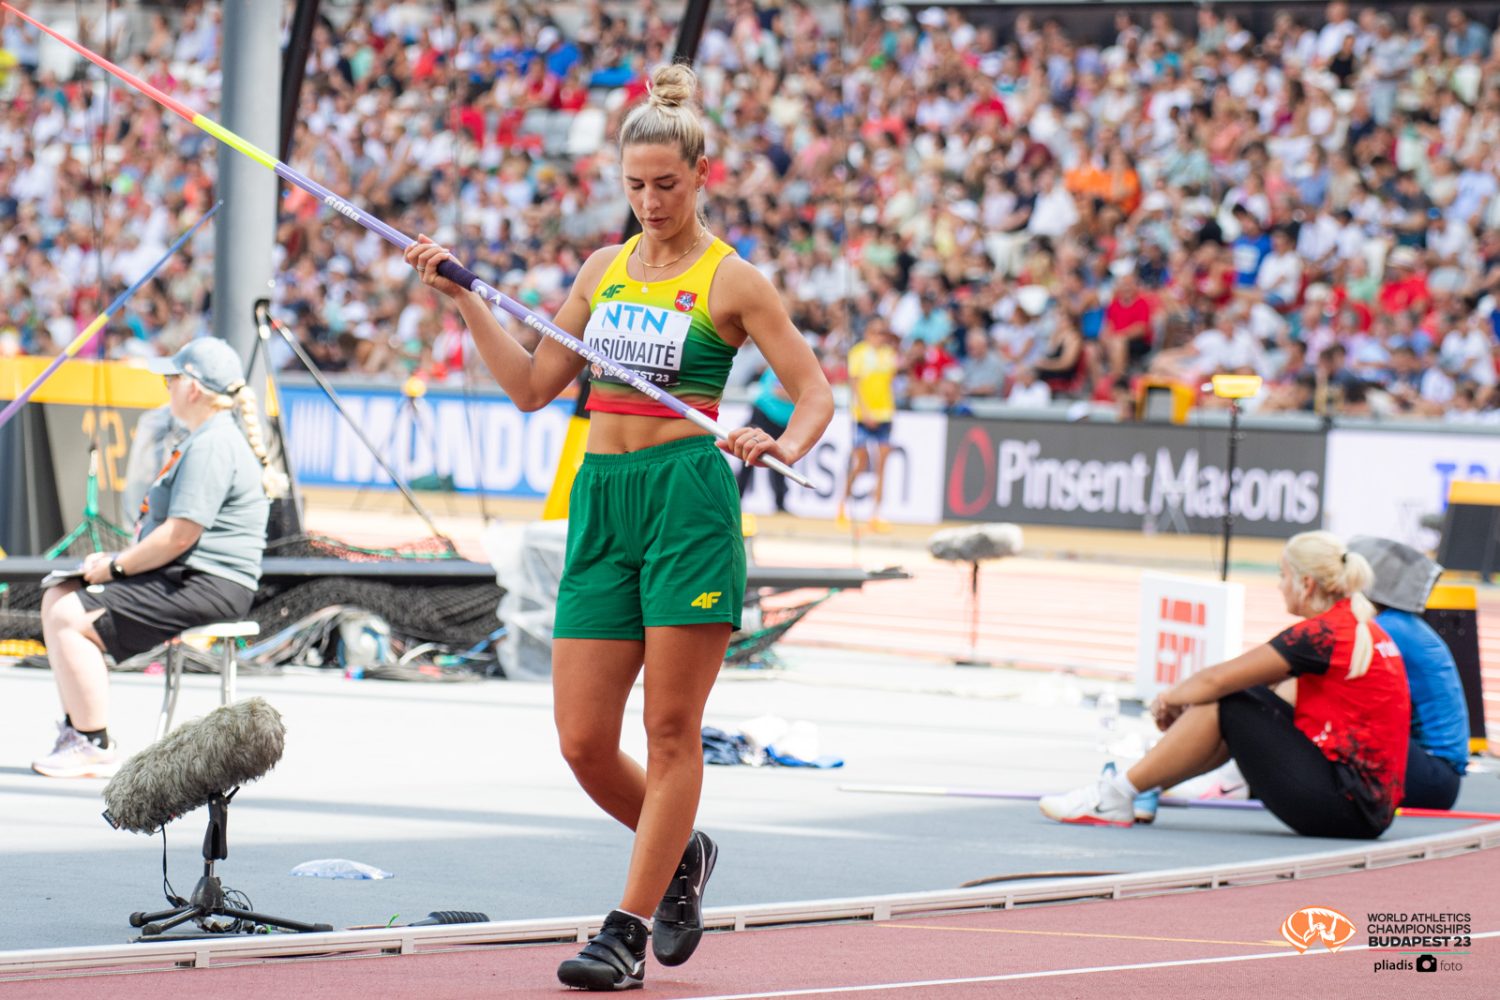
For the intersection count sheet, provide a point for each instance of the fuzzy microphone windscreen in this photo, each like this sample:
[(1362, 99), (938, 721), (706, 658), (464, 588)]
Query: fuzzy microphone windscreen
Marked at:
[(976, 542), (228, 747)]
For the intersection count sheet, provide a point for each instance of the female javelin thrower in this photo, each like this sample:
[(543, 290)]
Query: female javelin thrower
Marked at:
[(655, 566)]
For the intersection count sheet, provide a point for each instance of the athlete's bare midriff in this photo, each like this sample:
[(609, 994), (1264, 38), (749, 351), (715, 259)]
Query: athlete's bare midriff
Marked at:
[(620, 433)]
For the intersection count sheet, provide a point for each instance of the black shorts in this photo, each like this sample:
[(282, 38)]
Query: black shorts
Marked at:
[(146, 610), (1313, 795), (1431, 782)]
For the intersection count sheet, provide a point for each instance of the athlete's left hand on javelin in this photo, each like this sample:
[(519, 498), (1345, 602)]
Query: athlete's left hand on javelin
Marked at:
[(750, 444), (425, 256)]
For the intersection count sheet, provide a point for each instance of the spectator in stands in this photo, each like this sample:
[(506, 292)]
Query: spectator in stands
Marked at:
[(1215, 350), (1333, 764), (1061, 363), (1332, 369), (982, 371), (1279, 279), (924, 366), (1405, 285), (1127, 333), (1250, 247), (954, 399), (1027, 390)]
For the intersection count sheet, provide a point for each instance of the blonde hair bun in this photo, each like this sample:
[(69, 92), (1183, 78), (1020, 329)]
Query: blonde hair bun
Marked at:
[(673, 86), (668, 117)]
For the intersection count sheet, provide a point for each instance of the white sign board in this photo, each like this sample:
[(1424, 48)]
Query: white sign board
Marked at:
[(1383, 482), (1186, 624)]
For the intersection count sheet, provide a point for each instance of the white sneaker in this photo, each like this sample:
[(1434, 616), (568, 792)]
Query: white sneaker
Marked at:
[(73, 756), (1098, 804), (1224, 782)]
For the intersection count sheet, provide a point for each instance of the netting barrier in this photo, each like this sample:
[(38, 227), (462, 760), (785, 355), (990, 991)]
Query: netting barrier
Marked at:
[(447, 615)]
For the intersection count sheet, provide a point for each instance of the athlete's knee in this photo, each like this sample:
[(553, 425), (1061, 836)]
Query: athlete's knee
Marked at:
[(673, 737), (585, 750)]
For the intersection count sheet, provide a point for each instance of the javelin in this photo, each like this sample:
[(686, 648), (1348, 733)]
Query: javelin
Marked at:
[(88, 332), (1166, 800), (450, 269), (985, 793)]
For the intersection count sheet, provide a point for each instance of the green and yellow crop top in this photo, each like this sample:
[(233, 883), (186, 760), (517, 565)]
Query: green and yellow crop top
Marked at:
[(661, 330)]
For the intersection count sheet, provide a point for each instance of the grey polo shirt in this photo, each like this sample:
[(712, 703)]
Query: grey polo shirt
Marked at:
[(215, 482)]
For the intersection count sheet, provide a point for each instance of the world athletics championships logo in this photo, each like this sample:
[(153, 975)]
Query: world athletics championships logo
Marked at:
[(1317, 923)]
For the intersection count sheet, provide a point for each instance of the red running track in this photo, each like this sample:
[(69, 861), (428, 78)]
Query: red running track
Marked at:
[(1220, 943)]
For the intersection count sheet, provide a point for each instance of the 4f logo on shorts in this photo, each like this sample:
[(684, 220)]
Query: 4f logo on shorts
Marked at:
[(707, 599), (685, 301), (611, 291)]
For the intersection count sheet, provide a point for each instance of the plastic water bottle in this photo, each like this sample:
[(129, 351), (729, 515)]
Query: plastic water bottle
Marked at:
[(1108, 706), (339, 868)]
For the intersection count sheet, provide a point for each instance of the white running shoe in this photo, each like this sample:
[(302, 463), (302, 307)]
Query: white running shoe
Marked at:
[(1097, 804), (73, 756), (1224, 782)]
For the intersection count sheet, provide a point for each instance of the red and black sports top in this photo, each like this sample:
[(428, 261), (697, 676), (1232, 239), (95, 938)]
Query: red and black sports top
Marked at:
[(1363, 723)]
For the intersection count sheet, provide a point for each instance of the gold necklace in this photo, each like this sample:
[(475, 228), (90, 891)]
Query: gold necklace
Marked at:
[(645, 263)]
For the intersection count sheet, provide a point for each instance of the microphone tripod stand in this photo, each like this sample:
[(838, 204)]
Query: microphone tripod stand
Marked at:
[(973, 660), (208, 896)]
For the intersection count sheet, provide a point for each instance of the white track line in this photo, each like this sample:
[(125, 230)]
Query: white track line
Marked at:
[(1044, 974)]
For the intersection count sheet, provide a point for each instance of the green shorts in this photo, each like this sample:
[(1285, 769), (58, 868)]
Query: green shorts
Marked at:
[(653, 539)]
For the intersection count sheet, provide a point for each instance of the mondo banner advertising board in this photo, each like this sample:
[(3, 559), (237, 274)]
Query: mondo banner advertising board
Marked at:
[(479, 442), (1125, 475)]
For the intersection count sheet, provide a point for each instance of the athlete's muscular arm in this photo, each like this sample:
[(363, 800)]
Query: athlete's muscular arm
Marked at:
[(750, 306), (531, 380)]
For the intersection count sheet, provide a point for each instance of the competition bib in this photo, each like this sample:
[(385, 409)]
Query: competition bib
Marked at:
[(647, 340)]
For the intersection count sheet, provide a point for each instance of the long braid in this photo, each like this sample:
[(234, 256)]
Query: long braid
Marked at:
[(272, 480)]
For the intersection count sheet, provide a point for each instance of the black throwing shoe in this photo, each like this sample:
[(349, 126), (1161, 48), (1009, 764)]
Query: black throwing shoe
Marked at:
[(678, 925), (615, 959)]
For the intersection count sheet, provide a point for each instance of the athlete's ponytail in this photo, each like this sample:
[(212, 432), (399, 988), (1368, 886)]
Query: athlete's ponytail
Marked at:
[(1336, 573)]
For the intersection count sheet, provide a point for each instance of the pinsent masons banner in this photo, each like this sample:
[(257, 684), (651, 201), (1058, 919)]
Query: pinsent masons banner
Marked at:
[(1121, 475)]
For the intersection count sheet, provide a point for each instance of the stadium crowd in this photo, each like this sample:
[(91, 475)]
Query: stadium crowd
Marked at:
[(492, 132), (1030, 214), (1315, 205)]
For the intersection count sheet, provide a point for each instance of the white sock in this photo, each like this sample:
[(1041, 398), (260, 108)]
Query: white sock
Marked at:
[(645, 920), (1122, 785)]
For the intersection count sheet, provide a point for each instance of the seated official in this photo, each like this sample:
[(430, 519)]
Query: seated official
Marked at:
[(1438, 755), (196, 559)]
